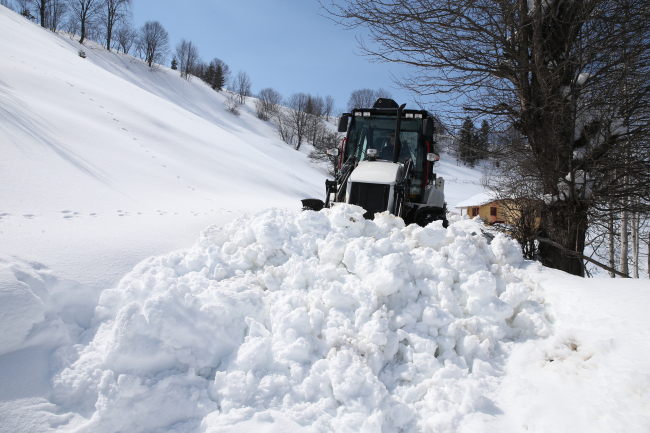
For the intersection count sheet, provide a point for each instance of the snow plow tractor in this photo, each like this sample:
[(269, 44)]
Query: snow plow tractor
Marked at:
[(386, 164)]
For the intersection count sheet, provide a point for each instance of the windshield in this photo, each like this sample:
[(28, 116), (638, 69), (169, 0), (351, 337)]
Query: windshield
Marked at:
[(378, 132)]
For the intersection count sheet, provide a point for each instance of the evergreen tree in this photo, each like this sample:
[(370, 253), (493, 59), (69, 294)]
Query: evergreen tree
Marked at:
[(208, 75), (174, 64), (219, 80), (216, 74), (483, 141), (467, 142)]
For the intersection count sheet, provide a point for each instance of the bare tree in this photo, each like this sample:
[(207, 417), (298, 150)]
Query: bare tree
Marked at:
[(298, 117), (328, 140), (284, 124), (23, 7), (125, 36), (188, 58), (153, 43), (329, 107), (366, 97), (316, 110), (41, 7), (241, 85), (83, 12), (113, 12), (232, 103), (557, 71), (267, 103), (55, 12)]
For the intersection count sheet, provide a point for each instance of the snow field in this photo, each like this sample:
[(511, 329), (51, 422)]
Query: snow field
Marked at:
[(337, 322)]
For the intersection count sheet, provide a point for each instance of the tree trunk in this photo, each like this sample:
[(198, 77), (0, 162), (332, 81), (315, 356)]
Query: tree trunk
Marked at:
[(569, 225), (109, 34), (83, 32), (635, 244), (41, 9), (623, 266), (612, 258)]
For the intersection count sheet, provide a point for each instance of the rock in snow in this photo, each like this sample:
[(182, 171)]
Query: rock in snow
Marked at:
[(334, 322)]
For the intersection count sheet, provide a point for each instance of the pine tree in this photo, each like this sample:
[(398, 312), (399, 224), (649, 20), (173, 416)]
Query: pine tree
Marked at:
[(483, 140), (219, 80), (208, 75), (174, 64), (467, 143)]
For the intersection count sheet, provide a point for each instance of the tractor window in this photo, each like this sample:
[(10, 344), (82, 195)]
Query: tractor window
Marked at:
[(379, 133)]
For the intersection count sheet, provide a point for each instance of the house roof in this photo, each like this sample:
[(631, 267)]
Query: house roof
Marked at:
[(477, 200)]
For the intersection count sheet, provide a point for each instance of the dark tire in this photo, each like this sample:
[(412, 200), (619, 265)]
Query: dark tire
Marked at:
[(426, 215)]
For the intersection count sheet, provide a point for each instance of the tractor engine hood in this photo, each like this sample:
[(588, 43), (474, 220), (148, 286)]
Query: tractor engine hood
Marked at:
[(383, 172)]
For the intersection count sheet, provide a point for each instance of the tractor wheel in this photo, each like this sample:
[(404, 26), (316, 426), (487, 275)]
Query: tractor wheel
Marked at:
[(427, 215)]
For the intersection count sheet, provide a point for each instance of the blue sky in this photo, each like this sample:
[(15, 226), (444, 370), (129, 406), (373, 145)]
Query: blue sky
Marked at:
[(284, 44)]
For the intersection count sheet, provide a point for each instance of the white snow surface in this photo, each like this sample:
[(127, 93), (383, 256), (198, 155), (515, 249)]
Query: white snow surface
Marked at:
[(274, 320), (339, 323)]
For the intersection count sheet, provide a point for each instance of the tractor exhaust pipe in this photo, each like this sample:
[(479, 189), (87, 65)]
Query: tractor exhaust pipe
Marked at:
[(398, 126)]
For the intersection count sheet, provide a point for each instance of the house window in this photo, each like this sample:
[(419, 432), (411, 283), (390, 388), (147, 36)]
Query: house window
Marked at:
[(493, 211), (474, 211)]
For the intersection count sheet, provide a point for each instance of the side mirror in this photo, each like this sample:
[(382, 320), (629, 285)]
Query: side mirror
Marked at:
[(433, 157), (427, 127), (343, 123), (333, 152)]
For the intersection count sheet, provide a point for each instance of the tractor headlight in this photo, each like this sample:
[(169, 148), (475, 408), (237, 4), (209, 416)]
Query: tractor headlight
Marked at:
[(371, 153), (409, 115), (418, 116), (366, 114)]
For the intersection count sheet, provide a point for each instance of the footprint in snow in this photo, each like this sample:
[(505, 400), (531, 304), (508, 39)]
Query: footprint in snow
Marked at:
[(29, 216), (93, 214), (115, 119), (66, 211)]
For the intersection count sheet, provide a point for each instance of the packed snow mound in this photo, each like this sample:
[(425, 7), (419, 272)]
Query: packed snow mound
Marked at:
[(335, 322)]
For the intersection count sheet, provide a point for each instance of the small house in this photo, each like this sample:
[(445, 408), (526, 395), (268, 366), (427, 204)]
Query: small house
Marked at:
[(485, 206), (505, 211)]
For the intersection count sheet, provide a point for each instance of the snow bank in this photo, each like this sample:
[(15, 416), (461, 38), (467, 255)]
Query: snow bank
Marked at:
[(38, 309), (336, 322)]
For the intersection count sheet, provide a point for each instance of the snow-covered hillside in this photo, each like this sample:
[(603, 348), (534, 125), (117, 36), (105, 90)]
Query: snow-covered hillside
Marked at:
[(273, 320), (105, 162)]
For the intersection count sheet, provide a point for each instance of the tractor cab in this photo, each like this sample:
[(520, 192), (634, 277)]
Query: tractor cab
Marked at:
[(386, 163)]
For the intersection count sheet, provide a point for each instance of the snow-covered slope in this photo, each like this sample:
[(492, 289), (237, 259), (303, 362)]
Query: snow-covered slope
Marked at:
[(106, 162), (275, 321)]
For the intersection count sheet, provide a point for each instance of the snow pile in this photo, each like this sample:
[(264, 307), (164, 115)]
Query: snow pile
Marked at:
[(339, 323)]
